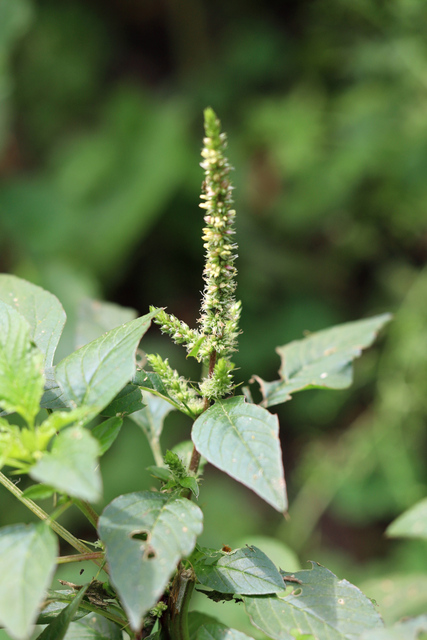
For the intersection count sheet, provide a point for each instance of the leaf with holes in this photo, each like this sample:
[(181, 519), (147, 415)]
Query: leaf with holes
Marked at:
[(243, 440), (41, 309), (21, 364), (246, 571), (96, 373), (321, 360), (145, 535), (27, 563), (72, 465), (411, 524), (319, 604)]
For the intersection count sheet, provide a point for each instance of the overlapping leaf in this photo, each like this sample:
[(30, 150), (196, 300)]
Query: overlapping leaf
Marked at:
[(411, 524), (21, 379), (72, 465), (106, 432), (41, 309), (319, 604), (322, 359), (93, 627), (58, 628), (243, 440), (246, 571), (215, 631), (145, 534), (27, 562), (96, 373), (412, 629)]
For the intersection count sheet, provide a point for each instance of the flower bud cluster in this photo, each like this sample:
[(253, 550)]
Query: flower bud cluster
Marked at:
[(220, 383), (177, 386)]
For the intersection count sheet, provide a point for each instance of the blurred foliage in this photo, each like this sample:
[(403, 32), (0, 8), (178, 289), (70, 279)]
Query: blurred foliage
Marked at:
[(324, 103)]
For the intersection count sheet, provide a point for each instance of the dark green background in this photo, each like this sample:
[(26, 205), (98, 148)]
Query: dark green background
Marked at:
[(325, 106)]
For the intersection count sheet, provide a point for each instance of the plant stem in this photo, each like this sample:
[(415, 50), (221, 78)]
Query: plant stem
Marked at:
[(195, 456), (178, 602), (81, 557), (38, 511), (88, 511)]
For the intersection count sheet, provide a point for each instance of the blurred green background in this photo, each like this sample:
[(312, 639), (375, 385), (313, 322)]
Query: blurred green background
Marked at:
[(325, 106)]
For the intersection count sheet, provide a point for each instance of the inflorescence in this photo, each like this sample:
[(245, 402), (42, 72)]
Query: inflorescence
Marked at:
[(216, 339)]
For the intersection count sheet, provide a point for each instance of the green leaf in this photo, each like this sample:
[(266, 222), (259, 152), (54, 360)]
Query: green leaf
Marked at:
[(196, 619), (58, 628), (216, 631), (72, 466), (278, 552), (27, 563), (411, 524), (140, 568), (245, 571), (398, 595), (243, 440), (93, 627), (321, 360), (56, 601), (320, 605), (96, 373), (190, 483), (151, 417), (41, 309), (127, 401), (39, 492), (406, 630), (95, 317), (21, 378), (106, 433)]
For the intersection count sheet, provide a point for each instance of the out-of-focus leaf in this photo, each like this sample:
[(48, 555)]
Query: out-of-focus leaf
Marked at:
[(246, 571), (57, 629), (216, 631), (96, 373), (39, 492), (93, 627), (145, 534), (243, 440), (27, 562), (411, 524), (72, 465), (106, 433), (196, 619), (152, 416), (412, 629), (319, 604), (321, 360), (21, 378), (41, 309), (398, 595), (95, 317)]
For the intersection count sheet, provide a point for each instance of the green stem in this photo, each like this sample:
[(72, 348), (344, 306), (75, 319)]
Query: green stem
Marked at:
[(156, 451), (88, 511), (81, 557), (55, 526), (195, 456), (178, 602)]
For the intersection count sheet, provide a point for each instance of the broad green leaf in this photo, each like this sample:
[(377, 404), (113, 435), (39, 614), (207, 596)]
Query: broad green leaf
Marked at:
[(243, 440), (278, 552), (41, 309), (58, 628), (56, 601), (21, 378), (411, 524), (153, 382), (215, 631), (93, 627), (152, 416), (106, 433), (127, 401), (53, 397), (321, 360), (27, 563), (96, 373), (95, 317), (319, 604), (405, 630), (72, 465), (140, 569), (39, 492), (196, 619), (246, 571)]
